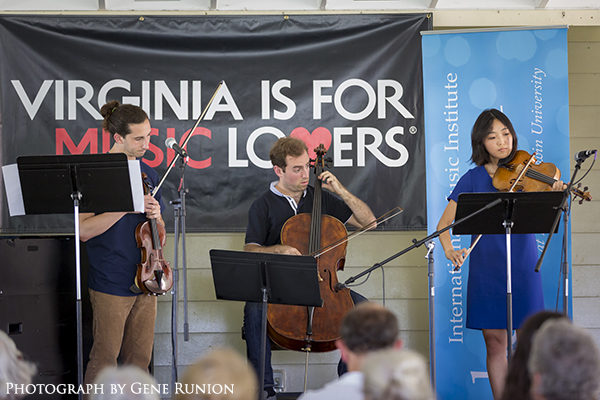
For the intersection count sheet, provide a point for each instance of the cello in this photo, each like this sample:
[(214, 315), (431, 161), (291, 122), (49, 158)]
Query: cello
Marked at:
[(154, 275), (308, 328)]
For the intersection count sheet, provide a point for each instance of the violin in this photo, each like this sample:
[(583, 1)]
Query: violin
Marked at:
[(308, 328), (523, 174), (154, 275)]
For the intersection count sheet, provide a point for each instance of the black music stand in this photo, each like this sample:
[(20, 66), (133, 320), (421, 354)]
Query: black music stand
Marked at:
[(519, 212), (265, 278), (72, 183)]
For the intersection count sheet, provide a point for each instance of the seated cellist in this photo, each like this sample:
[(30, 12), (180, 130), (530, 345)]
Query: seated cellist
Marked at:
[(288, 196)]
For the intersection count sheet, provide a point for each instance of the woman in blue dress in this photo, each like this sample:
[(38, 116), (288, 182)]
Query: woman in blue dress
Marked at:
[(493, 140)]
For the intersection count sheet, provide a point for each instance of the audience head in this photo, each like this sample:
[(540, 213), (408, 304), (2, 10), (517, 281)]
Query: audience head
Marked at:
[(221, 369), (517, 381), (135, 384), (368, 327), (396, 375), (14, 370), (564, 363)]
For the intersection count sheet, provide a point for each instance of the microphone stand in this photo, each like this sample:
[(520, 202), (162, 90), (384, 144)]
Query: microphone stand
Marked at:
[(564, 206), (180, 213), (430, 273), (416, 243), (179, 227)]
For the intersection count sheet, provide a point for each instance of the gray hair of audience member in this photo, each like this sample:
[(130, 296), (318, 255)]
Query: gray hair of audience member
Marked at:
[(567, 361), (396, 375), (223, 369), (13, 368), (368, 327), (136, 384)]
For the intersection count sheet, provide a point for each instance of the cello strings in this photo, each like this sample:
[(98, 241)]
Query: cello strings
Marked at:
[(359, 232)]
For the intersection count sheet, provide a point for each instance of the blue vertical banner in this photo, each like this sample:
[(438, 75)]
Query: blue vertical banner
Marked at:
[(522, 72)]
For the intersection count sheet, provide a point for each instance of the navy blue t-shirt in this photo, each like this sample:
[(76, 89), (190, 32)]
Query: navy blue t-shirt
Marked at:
[(114, 255), (272, 209)]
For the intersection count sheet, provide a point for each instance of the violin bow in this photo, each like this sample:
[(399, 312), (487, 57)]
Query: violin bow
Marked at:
[(177, 155), (390, 214), (512, 188)]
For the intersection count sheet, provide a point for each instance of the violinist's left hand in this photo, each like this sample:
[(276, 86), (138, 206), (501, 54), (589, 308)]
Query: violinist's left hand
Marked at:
[(559, 186), (151, 207)]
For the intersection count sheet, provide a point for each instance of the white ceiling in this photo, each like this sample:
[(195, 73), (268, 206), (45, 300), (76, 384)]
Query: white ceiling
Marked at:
[(293, 5)]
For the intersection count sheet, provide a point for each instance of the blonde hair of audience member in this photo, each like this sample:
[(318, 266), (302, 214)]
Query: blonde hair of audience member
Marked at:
[(136, 384), (219, 367), (13, 368), (396, 375)]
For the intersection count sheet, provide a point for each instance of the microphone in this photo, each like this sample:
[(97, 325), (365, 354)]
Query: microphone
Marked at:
[(584, 154), (172, 144)]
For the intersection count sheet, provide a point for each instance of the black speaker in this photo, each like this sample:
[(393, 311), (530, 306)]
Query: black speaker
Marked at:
[(38, 306)]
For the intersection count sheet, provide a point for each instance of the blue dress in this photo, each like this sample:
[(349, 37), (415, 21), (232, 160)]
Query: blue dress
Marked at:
[(486, 288)]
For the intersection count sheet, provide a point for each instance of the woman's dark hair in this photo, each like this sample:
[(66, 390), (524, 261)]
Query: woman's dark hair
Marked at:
[(481, 130), (117, 117), (518, 382)]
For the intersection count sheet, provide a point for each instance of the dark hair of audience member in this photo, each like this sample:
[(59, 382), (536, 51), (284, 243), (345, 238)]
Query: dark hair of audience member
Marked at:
[(518, 381), (368, 327)]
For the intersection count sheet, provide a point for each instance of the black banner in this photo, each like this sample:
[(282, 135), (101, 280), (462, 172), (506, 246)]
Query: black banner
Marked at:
[(352, 82)]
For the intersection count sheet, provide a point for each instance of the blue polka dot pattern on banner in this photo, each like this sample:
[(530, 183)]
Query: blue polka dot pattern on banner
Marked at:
[(457, 51), (545, 34), (433, 45), (482, 93), (520, 45), (562, 120), (554, 66)]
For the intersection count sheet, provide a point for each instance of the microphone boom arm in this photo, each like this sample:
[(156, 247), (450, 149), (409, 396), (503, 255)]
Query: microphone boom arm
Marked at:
[(177, 155), (416, 243)]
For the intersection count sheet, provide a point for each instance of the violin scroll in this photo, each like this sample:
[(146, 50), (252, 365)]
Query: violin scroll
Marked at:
[(583, 195)]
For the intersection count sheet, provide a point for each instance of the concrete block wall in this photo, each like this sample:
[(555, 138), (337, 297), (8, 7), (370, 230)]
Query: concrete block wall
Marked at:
[(584, 99)]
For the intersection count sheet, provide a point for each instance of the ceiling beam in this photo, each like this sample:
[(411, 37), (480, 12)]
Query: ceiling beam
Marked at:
[(433, 4), (213, 5), (541, 3), (102, 5), (323, 5)]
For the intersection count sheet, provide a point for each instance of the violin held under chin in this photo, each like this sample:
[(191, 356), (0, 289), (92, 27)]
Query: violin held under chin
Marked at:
[(521, 173)]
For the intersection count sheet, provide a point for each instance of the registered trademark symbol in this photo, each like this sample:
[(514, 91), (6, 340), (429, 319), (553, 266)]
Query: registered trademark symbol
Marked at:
[(412, 130)]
